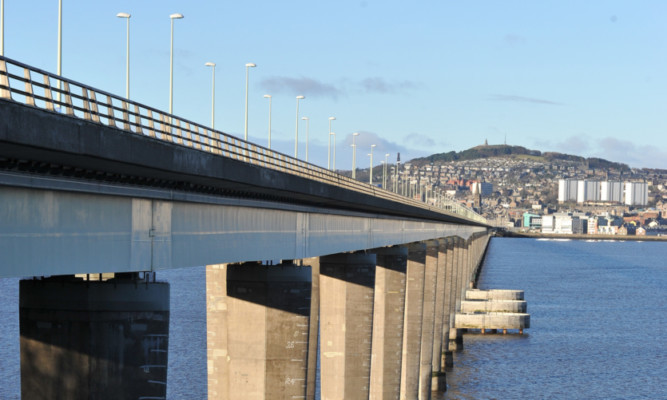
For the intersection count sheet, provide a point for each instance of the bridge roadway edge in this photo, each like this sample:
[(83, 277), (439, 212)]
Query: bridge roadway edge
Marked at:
[(299, 218), (89, 146)]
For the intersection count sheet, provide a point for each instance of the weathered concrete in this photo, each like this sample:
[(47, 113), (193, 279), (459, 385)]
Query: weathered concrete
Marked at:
[(314, 330), (428, 318), (481, 306), (412, 328), (104, 339), (257, 331), (388, 314), (347, 283), (450, 303), (493, 321), (494, 294), (438, 382)]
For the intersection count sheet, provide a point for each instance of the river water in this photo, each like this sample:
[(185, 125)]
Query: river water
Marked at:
[(598, 326)]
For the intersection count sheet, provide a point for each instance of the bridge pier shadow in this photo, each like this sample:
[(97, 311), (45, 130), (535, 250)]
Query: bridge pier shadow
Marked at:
[(258, 327), (383, 317), (93, 339)]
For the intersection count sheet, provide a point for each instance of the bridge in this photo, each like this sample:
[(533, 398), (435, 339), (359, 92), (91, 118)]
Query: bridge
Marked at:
[(99, 193)]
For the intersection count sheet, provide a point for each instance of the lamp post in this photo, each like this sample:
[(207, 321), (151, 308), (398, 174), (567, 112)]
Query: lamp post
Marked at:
[(247, 66), (2, 27), (333, 166), (329, 151), (354, 156), (60, 44), (307, 133), (383, 163), (268, 96), (384, 172), (212, 65), (171, 63), (127, 55), (296, 135), (370, 172)]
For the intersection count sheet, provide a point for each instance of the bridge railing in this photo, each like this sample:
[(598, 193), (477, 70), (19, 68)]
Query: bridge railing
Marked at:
[(34, 87)]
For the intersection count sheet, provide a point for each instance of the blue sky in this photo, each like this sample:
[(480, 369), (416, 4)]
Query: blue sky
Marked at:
[(419, 77)]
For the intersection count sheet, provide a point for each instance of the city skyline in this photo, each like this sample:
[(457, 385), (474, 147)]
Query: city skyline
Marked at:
[(431, 77)]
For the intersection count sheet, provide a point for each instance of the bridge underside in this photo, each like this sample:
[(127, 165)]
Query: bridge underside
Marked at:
[(54, 232)]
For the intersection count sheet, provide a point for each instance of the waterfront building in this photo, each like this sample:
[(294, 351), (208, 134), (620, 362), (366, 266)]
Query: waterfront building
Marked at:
[(592, 225), (579, 225), (562, 223), (532, 221), (547, 224)]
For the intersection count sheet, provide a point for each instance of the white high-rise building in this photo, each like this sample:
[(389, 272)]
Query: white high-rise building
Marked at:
[(611, 191), (636, 193), (567, 190), (588, 191)]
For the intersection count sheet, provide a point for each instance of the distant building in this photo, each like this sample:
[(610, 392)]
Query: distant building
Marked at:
[(611, 191), (484, 188), (579, 226), (532, 221), (563, 223), (547, 224), (636, 193), (567, 190), (592, 226), (582, 191)]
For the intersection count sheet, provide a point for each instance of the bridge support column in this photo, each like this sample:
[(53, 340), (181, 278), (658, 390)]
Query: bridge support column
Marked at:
[(347, 284), (257, 330), (450, 304), (428, 319), (84, 339), (438, 382), (314, 329), (460, 258), (412, 327), (388, 314)]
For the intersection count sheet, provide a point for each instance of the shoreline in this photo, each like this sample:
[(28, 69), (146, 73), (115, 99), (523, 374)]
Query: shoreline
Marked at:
[(511, 234)]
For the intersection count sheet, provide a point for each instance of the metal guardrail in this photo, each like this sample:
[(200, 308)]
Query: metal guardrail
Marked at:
[(39, 87)]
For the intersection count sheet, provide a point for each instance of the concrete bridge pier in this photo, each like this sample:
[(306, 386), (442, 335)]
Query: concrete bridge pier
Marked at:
[(257, 330), (450, 304), (388, 315), (412, 327), (461, 268), (428, 318), (347, 285), (438, 380), (314, 329), (104, 339)]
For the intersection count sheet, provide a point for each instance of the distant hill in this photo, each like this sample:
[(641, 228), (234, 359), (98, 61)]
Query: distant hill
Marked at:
[(500, 151)]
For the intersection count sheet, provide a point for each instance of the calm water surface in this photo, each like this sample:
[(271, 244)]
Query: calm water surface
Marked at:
[(598, 326)]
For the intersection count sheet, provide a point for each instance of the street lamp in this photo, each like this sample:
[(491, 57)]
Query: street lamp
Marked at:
[(334, 149), (268, 96), (127, 55), (384, 172), (296, 135), (354, 156), (212, 65), (307, 133), (60, 44), (370, 174), (2, 27), (247, 66), (329, 151), (171, 63)]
